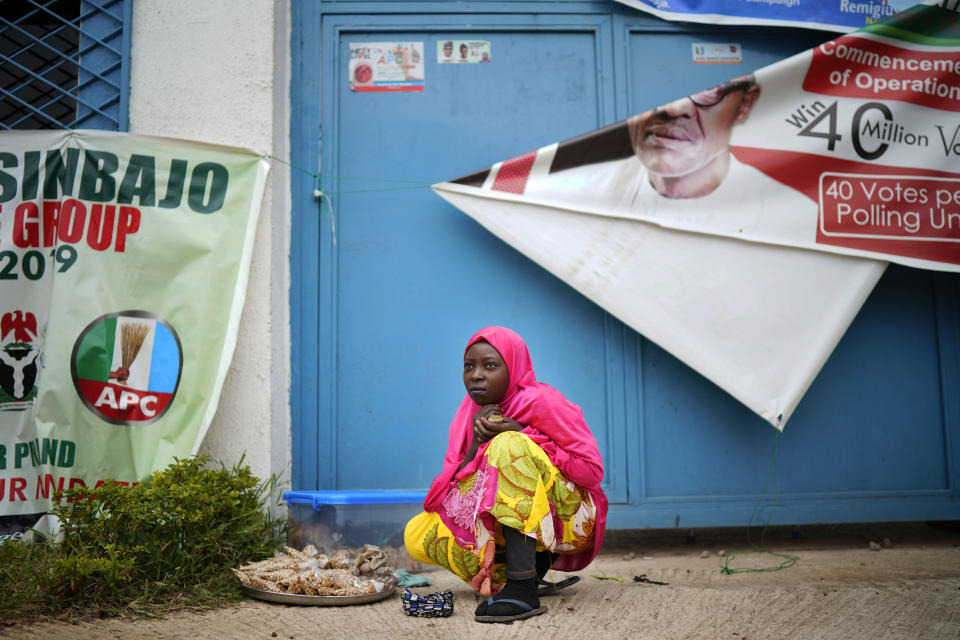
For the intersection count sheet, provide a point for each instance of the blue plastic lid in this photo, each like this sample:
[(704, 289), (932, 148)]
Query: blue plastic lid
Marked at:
[(369, 496)]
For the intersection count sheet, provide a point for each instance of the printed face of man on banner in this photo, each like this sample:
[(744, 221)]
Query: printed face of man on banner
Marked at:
[(684, 145)]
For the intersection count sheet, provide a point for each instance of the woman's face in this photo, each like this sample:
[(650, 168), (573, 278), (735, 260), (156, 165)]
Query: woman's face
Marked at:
[(485, 374)]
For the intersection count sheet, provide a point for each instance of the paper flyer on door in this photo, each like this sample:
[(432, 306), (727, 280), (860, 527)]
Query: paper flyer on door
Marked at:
[(377, 67), (123, 270)]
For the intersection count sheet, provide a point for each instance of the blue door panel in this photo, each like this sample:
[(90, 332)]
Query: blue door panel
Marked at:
[(877, 406), (386, 293), (872, 420), (414, 279)]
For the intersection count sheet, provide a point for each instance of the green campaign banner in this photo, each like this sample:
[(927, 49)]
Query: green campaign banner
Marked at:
[(123, 269)]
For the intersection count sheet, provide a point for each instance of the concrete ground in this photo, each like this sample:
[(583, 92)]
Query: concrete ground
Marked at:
[(839, 589)]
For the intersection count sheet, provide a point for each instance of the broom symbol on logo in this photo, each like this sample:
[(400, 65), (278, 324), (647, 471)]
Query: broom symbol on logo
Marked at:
[(131, 339)]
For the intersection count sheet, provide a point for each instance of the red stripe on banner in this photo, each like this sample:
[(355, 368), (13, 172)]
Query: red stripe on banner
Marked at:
[(802, 170), (122, 403), (855, 67), (513, 173), (916, 212), (947, 253), (385, 88)]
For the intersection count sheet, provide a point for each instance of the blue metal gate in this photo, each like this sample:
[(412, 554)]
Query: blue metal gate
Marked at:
[(387, 291)]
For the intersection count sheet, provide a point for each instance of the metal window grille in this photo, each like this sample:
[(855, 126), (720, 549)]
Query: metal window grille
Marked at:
[(64, 64)]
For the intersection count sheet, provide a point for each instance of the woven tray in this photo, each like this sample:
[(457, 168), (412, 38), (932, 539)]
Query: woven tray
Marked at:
[(316, 601)]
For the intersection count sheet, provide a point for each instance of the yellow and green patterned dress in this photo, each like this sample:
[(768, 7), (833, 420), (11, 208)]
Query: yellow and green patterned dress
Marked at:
[(515, 485)]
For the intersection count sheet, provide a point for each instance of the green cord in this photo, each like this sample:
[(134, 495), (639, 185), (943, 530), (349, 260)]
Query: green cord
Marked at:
[(318, 178), (375, 190), (323, 196), (788, 560)]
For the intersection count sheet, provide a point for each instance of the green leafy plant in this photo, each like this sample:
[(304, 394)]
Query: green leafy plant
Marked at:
[(166, 544)]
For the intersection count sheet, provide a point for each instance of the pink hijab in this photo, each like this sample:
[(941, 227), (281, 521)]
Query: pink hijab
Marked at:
[(553, 422)]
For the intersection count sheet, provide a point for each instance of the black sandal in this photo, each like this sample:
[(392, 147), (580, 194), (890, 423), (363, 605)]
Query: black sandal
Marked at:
[(523, 611), (545, 588)]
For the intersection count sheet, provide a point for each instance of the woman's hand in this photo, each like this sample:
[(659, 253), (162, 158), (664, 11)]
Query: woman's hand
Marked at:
[(490, 421)]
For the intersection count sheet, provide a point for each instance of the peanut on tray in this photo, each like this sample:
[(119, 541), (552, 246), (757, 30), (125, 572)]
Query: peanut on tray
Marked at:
[(308, 572)]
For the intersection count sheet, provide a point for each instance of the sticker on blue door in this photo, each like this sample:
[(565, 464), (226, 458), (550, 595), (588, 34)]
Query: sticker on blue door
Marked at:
[(463, 51), (386, 66)]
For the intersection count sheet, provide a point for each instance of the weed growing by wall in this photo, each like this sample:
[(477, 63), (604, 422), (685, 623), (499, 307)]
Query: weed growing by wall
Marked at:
[(166, 544)]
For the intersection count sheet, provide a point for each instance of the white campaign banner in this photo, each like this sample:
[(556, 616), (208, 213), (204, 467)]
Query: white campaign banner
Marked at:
[(741, 228)]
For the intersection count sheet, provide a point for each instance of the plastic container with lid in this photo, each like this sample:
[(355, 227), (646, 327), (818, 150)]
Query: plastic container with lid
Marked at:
[(337, 520)]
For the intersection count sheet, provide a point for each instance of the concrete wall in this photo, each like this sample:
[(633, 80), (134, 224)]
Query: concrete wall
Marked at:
[(218, 71)]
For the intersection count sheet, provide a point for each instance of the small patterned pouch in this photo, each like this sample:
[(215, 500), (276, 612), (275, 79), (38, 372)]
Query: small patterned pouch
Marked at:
[(431, 605)]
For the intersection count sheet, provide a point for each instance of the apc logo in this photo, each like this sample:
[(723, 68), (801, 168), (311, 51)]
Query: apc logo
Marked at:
[(19, 353), (126, 367)]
